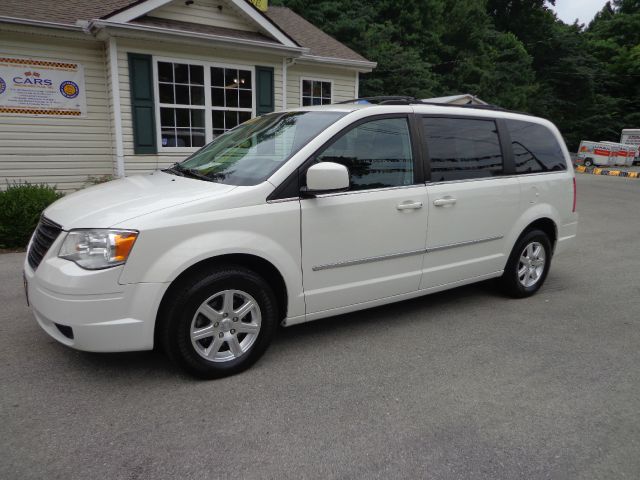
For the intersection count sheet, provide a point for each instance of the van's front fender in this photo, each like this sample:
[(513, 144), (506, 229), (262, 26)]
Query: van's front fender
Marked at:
[(162, 254)]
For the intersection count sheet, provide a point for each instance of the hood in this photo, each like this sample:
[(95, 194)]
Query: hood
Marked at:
[(114, 202)]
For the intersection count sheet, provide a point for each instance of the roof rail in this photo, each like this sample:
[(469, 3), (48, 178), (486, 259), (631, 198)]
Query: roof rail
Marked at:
[(382, 100), (407, 100)]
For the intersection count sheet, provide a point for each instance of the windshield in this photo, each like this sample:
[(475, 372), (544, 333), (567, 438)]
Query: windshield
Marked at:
[(251, 152)]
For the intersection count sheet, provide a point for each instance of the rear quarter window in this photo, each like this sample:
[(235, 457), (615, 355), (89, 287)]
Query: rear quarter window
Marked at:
[(535, 148)]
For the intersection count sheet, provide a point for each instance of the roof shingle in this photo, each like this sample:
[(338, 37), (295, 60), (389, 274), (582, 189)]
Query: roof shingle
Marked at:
[(308, 35)]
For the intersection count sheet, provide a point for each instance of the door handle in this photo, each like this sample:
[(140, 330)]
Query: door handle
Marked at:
[(444, 201), (409, 205)]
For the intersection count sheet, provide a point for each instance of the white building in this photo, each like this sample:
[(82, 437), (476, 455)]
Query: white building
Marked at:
[(117, 87)]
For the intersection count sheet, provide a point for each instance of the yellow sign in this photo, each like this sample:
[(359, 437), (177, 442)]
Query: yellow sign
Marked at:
[(261, 4)]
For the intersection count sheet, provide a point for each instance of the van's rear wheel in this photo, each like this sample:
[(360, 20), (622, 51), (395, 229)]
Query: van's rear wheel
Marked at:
[(528, 265), (219, 323), (588, 162)]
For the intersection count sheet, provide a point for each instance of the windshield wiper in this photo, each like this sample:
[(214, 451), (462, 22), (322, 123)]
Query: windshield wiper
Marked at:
[(174, 169), (188, 172)]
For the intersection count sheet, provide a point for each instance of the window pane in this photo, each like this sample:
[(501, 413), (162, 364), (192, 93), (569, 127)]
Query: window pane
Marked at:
[(182, 94), (196, 75), (182, 117), (245, 98), (535, 148), (166, 93), (317, 89), (197, 137), (244, 116), (377, 154), (245, 78), (167, 118), (462, 149), (217, 77), (231, 78), (181, 73), (230, 120), (326, 89), (306, 101), (183, 137), (306, 88), (317, 101), (197, 118), (197, 95), (217, 132), (231, 97), (168, 137), (165, 72), (217, 97), (326, 101), (217, 117)]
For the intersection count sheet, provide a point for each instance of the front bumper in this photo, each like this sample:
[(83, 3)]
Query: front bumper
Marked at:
[(90, 310)]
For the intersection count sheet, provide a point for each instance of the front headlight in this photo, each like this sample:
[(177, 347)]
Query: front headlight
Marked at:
[(98, 248)]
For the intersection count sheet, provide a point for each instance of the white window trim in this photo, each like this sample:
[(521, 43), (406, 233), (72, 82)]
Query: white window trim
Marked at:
[(207, 107), (316, 79)]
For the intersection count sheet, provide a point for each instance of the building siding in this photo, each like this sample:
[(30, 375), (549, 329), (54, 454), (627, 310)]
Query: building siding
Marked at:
[(145, 163), (203, 12), (56, 150)]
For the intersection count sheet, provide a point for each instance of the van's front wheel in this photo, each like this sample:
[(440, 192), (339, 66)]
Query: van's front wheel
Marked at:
[(528, 265), (219, 323)]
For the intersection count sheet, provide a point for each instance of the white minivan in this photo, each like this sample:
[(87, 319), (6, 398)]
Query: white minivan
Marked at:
[(300, 215)]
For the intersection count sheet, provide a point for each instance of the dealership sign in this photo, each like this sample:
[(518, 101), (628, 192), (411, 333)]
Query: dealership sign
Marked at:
[(41, 87)]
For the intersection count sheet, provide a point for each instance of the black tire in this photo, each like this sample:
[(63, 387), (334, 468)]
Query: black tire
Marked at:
[(588, 162), (509, 281), (180, 307)]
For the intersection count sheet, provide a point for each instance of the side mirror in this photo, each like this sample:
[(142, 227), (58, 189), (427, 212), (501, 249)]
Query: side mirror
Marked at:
[(327, 177)]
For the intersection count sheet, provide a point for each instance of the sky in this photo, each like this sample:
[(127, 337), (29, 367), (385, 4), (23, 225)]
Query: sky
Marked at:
[(583, 10)]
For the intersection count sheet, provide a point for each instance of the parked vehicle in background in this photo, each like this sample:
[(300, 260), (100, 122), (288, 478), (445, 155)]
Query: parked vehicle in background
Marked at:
[(369, 204), (624, 154), (596, 153), (631, 136)]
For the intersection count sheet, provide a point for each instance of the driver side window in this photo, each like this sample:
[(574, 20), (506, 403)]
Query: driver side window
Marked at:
[(377, 153)]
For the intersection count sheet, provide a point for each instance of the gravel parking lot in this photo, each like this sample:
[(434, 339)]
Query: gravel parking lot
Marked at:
[(462, 384)]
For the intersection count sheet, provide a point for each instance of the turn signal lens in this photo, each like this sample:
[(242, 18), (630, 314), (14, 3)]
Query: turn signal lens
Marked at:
[(98, 248)]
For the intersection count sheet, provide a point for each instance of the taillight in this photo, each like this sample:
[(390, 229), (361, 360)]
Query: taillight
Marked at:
[(574, 194)]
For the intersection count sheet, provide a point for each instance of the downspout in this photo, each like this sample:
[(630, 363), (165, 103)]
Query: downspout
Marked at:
[(115, 102), (357, 86), (284, 83), (286, 63)]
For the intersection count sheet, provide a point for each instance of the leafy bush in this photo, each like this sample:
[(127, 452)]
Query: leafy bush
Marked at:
[(20, 207)]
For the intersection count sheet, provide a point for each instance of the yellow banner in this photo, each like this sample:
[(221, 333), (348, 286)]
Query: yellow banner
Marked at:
[(261, 4)]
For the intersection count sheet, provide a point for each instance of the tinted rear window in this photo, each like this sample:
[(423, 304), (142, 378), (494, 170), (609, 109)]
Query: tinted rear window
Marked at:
[(535, 148), (461, 149)]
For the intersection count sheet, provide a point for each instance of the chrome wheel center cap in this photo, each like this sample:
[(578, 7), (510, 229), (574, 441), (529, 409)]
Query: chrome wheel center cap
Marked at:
[(225, 325)]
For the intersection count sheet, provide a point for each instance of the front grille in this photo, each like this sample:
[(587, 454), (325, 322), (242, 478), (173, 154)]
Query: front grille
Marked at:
[(46, 232)]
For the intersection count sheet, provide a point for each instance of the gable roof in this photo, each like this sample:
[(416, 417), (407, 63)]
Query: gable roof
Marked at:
[(308, 35), (282, 21)]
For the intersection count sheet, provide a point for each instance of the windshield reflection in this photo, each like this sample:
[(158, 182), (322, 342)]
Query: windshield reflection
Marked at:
[(253, 151)]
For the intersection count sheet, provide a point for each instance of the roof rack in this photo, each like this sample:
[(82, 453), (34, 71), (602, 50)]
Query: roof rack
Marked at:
[(406, 100)]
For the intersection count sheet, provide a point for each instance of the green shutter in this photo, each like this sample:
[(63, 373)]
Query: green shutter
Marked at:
[(143, 109), (265, 101)]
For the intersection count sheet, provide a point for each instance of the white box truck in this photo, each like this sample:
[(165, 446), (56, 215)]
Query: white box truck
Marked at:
[(596, 153), (624, 154)]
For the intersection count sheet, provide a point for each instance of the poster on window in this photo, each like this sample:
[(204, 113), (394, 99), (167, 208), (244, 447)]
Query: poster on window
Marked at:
[(41, 87)]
